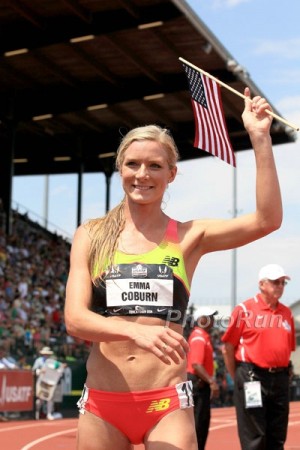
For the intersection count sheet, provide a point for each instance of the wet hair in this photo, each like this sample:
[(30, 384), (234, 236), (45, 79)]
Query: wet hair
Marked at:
[(105, 231)]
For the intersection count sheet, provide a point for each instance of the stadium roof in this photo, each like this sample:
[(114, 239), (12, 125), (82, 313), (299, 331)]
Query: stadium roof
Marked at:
[(76, 74)]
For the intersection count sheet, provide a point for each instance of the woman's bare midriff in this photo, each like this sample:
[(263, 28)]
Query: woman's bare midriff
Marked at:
[(122, 366)]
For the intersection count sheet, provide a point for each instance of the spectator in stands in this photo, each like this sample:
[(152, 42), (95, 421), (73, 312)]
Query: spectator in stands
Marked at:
[(6, 361), (23, 287)]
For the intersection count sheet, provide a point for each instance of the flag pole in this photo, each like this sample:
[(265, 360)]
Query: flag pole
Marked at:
[(271, 113), (234, 250)]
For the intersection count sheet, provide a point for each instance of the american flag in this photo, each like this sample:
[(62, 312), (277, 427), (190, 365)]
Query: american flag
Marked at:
[(211, 132)]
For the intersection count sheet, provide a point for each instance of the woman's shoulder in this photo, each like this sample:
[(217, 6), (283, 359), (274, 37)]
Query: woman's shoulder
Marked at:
[(89, 226), (192, 227), (82, 235)]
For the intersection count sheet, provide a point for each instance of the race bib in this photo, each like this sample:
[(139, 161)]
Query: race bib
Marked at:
[(133, 292), (141, 285)]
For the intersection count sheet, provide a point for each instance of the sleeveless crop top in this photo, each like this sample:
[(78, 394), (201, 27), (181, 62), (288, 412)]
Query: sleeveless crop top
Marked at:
[(152, 284)]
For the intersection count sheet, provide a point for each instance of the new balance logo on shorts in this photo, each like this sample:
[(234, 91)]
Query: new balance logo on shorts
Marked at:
[(171, 261), (159, 405)]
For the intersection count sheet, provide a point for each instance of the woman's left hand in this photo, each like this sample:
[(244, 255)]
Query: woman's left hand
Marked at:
[(163, 342), (254, 116)]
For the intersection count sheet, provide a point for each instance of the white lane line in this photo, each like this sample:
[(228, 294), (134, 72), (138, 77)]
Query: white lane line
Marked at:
[(45, 438), (31, 425), (225, 425), (292, 423)]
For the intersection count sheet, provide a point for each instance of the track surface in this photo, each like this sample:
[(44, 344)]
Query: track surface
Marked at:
[(61, 434)]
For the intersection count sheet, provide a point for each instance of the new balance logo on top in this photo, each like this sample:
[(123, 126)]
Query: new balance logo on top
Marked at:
[(171, 261), (159, 405)]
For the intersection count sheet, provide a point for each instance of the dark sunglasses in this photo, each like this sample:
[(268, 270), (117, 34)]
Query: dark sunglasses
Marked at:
[(278, 282)]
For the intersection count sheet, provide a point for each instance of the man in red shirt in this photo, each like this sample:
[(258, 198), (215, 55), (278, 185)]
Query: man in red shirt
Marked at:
[(258, 344), (200, 370)]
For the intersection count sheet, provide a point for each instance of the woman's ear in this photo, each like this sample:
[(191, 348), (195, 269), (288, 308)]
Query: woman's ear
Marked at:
[(173, 173)]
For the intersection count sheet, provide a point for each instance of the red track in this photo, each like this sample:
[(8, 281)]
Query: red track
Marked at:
[(61, 434)]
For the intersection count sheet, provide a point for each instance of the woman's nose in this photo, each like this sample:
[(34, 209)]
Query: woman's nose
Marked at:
[(143, 172)]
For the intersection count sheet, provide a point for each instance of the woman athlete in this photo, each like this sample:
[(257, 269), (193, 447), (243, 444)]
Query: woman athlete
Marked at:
[(128, 290)]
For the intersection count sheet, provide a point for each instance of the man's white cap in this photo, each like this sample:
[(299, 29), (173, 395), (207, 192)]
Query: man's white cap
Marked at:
[(46, 351), (272, 272), (204, 311)]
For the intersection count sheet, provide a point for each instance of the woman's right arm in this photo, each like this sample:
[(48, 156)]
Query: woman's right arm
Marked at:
[(85, 324), (80, 321)]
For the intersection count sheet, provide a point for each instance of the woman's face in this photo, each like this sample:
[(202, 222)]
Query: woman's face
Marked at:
[(145, 172)]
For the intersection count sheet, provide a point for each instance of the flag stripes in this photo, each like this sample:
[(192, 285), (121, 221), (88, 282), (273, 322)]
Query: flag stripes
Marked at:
[(211, 133)]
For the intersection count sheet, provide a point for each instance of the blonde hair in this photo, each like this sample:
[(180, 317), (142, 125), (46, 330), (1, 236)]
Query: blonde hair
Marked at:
[(105, 231)]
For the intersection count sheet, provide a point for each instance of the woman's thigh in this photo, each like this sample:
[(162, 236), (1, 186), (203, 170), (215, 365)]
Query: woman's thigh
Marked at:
[(95, 433), (175, 431)]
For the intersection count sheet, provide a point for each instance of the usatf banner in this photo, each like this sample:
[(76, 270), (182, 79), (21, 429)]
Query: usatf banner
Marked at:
[(16, 390)]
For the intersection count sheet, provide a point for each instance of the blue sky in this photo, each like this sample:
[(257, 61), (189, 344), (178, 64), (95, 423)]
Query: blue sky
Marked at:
[(264, 37)]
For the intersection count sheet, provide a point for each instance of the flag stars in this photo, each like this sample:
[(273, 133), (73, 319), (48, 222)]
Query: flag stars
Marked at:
[(196, 86)]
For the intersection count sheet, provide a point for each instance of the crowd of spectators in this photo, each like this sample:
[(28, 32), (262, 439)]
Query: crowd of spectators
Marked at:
[(33, 272)]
